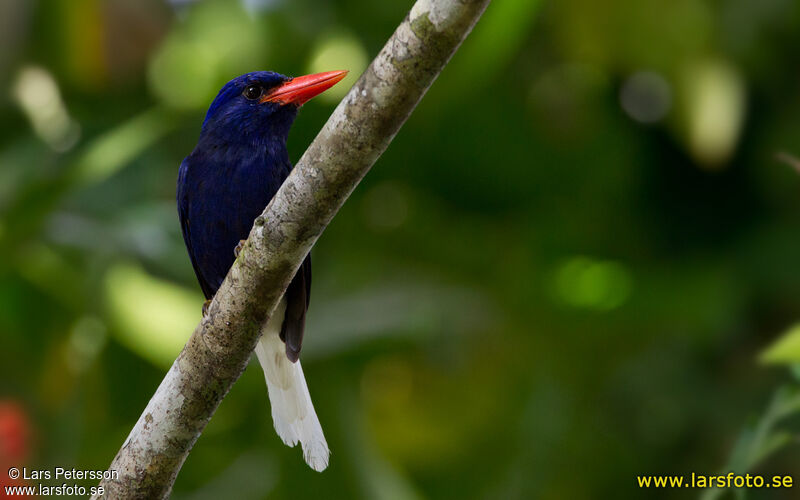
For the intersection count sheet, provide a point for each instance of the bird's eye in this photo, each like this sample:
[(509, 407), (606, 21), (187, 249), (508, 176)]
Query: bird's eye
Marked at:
[(252, 92)]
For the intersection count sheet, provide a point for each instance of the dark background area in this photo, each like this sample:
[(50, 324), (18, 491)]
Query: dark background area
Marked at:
[(576, 263)]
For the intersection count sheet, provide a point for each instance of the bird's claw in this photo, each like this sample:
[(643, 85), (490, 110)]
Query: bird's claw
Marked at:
[(238, 248), (205, 306)]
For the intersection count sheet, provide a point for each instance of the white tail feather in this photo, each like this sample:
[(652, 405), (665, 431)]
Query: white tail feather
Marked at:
[(292, 410)]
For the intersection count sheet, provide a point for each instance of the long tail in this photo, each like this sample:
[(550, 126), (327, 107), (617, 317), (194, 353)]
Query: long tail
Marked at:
[(292, 411)]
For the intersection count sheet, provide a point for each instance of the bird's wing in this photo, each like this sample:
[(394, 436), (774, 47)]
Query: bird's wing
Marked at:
[(183, 214), (298, 296)]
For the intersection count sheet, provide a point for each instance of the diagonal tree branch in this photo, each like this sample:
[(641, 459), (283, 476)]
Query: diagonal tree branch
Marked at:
[(357, 133)]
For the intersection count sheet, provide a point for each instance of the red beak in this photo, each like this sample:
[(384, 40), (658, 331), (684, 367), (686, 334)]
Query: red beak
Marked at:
[(299, 90)]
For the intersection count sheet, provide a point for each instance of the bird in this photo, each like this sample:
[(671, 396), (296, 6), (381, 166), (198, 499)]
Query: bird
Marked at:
[(237, 166)]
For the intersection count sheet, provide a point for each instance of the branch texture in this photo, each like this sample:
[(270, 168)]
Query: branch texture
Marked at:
[(357, 133)]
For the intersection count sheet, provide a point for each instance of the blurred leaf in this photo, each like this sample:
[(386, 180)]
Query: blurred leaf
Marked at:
[(395, 310), (152, 317), (713, 98), (338, 50), (380, 479), (38, 94), (593, 284), (784, 350), (214, 43), (81, 41), (51, 273), (113, 150), (761, 440), (490, 47)]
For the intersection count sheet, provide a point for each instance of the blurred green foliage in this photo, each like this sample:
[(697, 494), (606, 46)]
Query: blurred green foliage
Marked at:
[(574, 265)]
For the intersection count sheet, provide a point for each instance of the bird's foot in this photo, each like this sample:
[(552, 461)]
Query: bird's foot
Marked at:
[(205, 306), (238, 248)]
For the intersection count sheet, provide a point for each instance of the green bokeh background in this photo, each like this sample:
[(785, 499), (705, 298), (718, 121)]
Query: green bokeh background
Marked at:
[(576, 263)]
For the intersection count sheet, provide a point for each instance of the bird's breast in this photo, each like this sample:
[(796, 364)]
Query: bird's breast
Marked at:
[(222, 200)]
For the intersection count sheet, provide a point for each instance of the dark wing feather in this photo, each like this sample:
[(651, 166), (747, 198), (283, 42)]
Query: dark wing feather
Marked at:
[(183, 214), (298, 296)]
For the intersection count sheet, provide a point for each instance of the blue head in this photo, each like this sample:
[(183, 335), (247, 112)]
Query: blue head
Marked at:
[(238, 115), (260, 107)]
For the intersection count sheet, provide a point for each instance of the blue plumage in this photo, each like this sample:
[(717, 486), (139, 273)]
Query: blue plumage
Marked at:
[(238, 165), (236, 168)]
